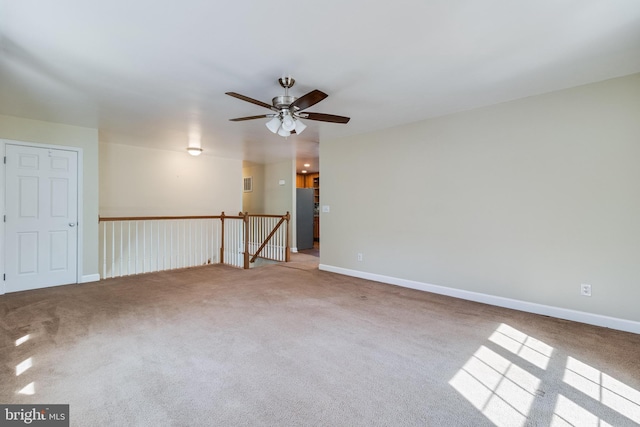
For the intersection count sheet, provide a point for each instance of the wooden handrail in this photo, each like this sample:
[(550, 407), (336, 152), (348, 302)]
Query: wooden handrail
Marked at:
[(267, 215), (152, 218)]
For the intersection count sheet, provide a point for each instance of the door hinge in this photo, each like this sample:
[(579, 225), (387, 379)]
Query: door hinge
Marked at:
[(5, 218), (5, 160), (4, 277)]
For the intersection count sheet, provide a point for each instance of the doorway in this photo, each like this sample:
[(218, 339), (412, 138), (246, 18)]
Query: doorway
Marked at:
[(307, 212), (41, 222)]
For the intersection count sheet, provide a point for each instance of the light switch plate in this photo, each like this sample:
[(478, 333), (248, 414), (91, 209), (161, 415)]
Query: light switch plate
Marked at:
[(325, 208)]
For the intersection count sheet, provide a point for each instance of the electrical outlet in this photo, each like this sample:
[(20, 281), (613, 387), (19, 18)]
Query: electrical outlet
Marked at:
[(585, 290), (359, 256)]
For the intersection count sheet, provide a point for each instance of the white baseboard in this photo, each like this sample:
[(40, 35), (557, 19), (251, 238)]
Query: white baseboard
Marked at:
[(294, 250), (530, 307), (84, 279), (90, 278)]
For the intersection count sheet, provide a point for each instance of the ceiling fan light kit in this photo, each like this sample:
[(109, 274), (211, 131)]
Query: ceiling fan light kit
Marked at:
[(288, 110), (288, 123), (300, 126), (283, 132), (274, 124)]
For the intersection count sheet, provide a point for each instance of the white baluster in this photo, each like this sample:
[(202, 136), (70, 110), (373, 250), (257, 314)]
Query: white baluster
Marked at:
[(104, 250), (113, 248)]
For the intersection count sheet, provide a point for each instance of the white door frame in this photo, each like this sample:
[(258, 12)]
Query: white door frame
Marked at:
[(3, 211)]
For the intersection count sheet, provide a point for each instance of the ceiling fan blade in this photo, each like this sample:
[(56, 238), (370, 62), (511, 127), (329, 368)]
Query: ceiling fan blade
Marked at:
[(321, 117), (241, 119), (251, 100), (306, 101)]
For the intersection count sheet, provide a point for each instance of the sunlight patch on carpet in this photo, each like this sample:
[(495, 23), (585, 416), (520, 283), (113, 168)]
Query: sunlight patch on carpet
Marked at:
[(23, 366), (520, 344), (603, 388), (498, 388), (29, 389), (568, 413), (504, 390), (22, 340)]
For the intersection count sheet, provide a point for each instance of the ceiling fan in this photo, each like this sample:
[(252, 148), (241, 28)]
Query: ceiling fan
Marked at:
[(288, 110)]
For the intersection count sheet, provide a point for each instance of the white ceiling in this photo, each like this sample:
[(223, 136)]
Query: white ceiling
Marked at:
[(150, 72)]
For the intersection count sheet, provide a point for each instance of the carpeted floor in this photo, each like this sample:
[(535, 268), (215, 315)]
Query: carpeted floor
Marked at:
[(285, 345)]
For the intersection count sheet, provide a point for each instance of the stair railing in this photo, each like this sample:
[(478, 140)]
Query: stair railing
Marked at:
[(267, 237), (135, 245)]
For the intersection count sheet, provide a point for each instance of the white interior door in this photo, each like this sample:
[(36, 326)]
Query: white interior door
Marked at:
[(41, 232)]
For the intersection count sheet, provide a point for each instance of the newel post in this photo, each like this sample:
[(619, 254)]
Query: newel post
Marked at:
[(222, 239), (287, 250), (245, 219)]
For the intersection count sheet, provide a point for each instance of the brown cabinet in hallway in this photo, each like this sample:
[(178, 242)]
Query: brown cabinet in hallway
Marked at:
[(310, 180), (300, 181)]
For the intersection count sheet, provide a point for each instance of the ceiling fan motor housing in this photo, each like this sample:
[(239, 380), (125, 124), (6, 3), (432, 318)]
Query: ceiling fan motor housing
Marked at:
[(283, 101)]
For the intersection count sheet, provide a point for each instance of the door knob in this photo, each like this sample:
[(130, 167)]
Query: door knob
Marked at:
[(72, 224)]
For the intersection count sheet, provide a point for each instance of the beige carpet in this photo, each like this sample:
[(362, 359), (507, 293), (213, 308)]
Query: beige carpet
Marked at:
[(293, 346)]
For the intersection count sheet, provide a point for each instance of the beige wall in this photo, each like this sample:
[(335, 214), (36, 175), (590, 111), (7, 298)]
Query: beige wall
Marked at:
[(524, 200), (137, 181), (253, 201), (269, 196), (278, 198), (19, 129)]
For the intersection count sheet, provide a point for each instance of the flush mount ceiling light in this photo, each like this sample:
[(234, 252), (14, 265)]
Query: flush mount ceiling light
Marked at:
[(194, 151), (194, 145), (288, 110)]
